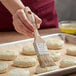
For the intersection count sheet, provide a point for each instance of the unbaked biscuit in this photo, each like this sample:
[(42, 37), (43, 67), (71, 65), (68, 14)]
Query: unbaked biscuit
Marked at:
[(46, 69), (3, 67), (25, 61), (28, 49), (8, 54), (35, 75), (68, 61), (18, 72), (54, 43), (71, 50), (55, 55)]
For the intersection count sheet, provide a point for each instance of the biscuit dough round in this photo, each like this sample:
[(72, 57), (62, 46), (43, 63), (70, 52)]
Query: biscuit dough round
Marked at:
[(68, 61), (25, 61), (28, 49), (3, 67), (55, 55), (18, 72), (46, 69), (8, 54), (54, 44), (71, 50)]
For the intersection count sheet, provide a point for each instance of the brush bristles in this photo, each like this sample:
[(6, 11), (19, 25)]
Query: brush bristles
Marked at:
[(45, 60)]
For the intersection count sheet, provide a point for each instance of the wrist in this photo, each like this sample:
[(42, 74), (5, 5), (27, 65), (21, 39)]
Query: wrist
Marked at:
[(16, 9), (13, 5)]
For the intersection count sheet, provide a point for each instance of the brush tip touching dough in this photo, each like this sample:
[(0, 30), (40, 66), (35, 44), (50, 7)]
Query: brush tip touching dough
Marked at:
[(3, 67), (25, 61), (46, 69), (8, 54), (18, 72), (28, 49)]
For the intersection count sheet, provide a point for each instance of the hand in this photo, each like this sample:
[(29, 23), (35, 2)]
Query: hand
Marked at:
[(22, 24)]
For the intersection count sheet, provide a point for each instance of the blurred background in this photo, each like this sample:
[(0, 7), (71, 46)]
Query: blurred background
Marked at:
[(66, 9)]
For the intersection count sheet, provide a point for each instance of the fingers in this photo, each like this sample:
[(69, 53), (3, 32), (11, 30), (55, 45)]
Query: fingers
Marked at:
[(25, 20), (28, 14), (38, 21), (19, 26)]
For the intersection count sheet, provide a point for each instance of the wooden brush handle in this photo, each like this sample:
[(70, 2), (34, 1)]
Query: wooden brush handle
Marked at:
[(34, 25), (31, 18)]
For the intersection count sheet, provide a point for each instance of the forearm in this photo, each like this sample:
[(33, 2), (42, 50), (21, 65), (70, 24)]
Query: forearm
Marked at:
[(12, 5)]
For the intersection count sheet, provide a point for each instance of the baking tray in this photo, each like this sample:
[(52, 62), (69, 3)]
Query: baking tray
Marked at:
[(71, 39)]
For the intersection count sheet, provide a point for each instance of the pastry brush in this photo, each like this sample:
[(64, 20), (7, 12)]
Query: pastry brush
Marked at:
[(39, 44)]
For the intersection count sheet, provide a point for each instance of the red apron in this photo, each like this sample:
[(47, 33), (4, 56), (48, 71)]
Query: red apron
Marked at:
[(45, 9)]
